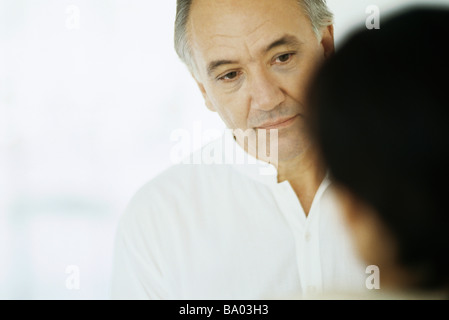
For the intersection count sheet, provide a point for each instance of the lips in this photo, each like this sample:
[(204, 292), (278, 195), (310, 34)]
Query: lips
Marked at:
[(278, 123)]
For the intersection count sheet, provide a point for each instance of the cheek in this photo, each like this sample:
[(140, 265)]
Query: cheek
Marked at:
[(296, 83), (232, 108)]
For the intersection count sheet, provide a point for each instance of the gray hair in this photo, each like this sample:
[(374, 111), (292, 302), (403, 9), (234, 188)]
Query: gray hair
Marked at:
[(316, 10)]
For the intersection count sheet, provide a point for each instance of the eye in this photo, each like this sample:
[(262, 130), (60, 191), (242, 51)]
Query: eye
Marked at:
[(283, 58), (230, 76)]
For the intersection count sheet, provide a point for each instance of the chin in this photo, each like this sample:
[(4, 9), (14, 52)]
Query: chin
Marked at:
[(288, 149), (290, 152), (292, 143)]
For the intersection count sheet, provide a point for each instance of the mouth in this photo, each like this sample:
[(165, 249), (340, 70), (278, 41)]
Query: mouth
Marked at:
[(278, 124)]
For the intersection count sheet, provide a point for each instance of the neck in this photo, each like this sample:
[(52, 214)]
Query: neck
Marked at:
[(305, 174)]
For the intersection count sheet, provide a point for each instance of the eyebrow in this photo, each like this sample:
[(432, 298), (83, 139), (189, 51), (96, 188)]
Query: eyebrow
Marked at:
[(215, 64), (288, 40)]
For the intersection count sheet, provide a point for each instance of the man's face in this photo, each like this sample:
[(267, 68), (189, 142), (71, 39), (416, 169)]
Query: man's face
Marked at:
[(253, 59)]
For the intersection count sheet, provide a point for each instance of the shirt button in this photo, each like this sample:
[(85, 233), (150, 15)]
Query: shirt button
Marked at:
[(307, 237), (311, 289)]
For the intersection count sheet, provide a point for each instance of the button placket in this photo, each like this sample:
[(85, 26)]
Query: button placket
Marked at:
[(311, 255)]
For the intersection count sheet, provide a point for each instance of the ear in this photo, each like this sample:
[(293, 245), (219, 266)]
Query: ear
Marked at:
[(356, 212), (351, 206), (375, 243), (327, 41), (209, 104)]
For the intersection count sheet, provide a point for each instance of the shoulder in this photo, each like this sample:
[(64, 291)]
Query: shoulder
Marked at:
[(182, 189), (203, 170), (181, 180)]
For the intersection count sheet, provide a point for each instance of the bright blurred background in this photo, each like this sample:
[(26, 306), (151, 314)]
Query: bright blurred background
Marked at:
[(90, 93)]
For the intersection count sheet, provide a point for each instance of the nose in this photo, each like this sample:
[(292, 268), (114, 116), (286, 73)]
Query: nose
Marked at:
[(265, 92)]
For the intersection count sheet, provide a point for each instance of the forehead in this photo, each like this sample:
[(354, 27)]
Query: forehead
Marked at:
[(229, 26)]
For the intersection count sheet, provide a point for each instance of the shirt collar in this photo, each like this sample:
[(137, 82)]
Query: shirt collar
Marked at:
[(250, 166)]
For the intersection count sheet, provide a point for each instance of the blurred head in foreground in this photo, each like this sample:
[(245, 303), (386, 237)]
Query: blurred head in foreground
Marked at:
[(380, 114)]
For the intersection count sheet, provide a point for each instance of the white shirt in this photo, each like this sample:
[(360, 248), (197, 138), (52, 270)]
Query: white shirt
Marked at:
[(224, 230)]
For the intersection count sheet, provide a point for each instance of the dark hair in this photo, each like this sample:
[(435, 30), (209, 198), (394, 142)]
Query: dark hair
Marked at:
[(379, 112)]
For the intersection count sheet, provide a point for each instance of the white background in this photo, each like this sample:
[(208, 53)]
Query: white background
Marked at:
[(86, 114)]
